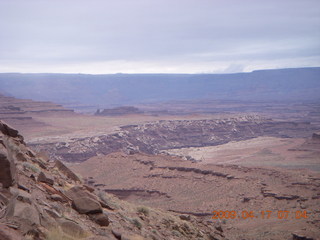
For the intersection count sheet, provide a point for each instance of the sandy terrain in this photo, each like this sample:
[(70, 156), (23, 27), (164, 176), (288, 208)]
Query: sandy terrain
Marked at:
[(173, 184), (261, 151)]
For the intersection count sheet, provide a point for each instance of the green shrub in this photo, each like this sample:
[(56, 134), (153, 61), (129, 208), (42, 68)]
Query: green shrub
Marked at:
[(143, 210), (31, 167), (176, 233), (136, 223), (107, 200)]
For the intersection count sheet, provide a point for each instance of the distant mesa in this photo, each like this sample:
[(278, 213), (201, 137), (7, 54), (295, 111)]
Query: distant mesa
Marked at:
[(10, 106), (125, 110), (88, 92), (21, 113)]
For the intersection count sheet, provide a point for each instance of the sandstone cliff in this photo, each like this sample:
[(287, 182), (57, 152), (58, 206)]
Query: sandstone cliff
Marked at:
[(152, 137)]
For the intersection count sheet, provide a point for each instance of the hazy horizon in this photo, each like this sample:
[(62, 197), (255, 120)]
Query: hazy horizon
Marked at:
[(155, 73), (106, 37)]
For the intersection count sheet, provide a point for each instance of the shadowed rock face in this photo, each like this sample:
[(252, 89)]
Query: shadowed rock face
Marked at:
[(7, 169), (7, 164), (153, 137), (9, 131)]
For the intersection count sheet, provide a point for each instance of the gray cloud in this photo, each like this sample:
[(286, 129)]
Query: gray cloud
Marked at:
[(42, 34)]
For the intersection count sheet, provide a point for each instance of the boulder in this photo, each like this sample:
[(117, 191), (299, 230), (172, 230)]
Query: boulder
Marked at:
[(26, 216), (26, 211), (46, 178), (100, 218), (9, 131), (7, 168), (78, 192), (66, 171), (72, 228), (86, 205), (56, 197), (21, 195), (185, 217)]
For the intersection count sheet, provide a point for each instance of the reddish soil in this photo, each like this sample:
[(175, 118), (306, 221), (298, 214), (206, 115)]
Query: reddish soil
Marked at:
[(173, 184)]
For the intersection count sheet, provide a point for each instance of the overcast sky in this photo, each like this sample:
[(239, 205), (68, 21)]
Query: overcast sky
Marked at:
[(163, 36)]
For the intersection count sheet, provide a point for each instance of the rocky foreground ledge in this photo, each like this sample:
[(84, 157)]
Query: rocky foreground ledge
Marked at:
[(42, 200)]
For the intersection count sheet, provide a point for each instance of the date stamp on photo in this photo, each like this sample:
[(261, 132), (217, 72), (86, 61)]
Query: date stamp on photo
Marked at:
[(266, 214)]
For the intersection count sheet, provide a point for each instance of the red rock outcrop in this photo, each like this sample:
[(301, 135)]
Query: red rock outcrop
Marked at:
[(8, 136)]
